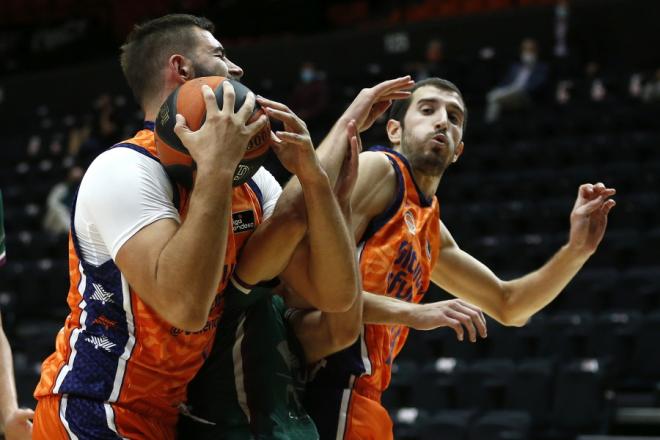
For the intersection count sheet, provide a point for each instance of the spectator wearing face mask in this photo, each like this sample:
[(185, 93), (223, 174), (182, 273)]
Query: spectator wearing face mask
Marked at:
[(310, 95), (523, 80)]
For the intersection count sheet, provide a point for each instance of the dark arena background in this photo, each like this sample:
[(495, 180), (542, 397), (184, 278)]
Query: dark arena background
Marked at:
[(586, 367)]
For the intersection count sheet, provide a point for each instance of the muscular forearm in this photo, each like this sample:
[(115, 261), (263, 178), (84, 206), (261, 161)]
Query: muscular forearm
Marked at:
[(332, 268), (190, 266), (7, 388), (525, 296), (381, 309)]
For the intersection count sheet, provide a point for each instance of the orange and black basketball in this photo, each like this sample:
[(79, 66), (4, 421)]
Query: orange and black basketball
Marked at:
[(188, 100)]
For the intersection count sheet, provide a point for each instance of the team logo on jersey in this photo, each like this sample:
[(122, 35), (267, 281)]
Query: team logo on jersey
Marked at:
[(241, 171), (100, 342), (242, 221), (428, 249), (102, 295), (409, 218)]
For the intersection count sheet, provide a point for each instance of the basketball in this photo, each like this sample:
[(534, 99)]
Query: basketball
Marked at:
[(188, 100)]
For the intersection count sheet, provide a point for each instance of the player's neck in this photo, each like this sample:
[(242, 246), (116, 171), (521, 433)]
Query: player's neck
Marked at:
[(427, 183)]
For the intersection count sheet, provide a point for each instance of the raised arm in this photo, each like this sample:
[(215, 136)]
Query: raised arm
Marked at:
[(176, 269), (514, 302), (323, 333), (364, 110), (323, 269)]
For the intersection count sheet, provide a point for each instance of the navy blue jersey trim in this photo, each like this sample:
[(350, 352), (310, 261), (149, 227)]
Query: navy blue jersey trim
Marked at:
[(176, 200), (258, 193), (381, 220), (423, 200), (137, 148), (149, 125)]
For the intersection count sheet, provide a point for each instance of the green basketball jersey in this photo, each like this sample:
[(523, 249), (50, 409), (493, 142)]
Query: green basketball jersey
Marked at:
[(251, 385)]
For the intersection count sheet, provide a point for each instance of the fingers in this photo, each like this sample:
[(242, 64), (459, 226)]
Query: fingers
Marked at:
[(272, 104), (210, 101), (605, 208), (477, 316), (24, 414), (274, 139), (181, 128), (247, 108), (293, 138), (396, 95), (404, 82), (589, 191), (466, 321), (457, 327), (289, 119), (256, 126), (228, 99)]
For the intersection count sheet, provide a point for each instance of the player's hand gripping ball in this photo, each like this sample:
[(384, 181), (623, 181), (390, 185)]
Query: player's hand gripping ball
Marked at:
[(188, 100)]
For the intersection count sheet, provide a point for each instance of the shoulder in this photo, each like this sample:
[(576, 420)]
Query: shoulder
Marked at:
[(123, 169), (376, 185), (376, 164)]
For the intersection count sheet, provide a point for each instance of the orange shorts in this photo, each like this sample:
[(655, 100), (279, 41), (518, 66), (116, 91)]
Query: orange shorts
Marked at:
[(62, 417), (366, 419)]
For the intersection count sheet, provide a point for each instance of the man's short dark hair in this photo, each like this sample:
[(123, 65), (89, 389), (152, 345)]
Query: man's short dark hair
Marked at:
[(400, 107), (149, 45)]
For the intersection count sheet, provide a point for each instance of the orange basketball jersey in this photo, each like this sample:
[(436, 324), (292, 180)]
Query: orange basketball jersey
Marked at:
[(396, 254), (116, 361)]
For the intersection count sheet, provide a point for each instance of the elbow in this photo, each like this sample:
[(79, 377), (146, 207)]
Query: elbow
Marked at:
[(338, 298), (509, 313), (185, 316), (511, 320), (191, 321)]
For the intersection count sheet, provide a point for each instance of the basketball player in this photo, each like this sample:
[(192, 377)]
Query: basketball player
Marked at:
[(403, 246), (148, 260)]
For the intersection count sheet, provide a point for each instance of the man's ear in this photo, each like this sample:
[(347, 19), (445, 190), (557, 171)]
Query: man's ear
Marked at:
[(459, 151), (180, 68), (394, 132)]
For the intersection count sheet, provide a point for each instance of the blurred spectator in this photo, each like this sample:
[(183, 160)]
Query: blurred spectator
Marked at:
[(58, 205), (651, 90), (561, 28), (592, 87), (434, 62), (105, 131), (522, 82), (310, 95), (595, 84)]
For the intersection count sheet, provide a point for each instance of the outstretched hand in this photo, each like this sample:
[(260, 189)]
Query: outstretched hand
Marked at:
[(372, 102), (456, 314), (589, 217)]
